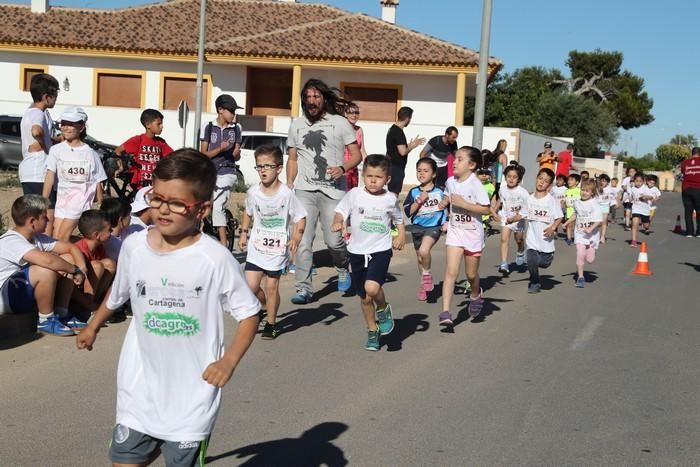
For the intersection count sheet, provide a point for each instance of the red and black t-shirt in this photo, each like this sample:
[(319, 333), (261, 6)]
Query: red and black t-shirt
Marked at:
[(147, 152)]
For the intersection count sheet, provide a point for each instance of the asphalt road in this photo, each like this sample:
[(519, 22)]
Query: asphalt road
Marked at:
[(605, 375)]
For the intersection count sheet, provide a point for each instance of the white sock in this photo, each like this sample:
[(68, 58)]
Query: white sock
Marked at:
[(426, 272), (44, 317)]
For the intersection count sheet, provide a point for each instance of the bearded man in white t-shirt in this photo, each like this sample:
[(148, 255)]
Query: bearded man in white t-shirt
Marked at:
[(36, 132)]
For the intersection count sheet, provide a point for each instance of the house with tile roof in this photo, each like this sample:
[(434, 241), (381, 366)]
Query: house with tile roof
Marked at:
[(117, 62)]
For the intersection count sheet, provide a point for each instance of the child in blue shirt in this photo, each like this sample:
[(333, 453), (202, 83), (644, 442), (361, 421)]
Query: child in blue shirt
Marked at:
[(424, 205)]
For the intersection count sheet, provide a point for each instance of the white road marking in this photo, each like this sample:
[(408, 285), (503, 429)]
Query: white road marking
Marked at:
[(586, 334)]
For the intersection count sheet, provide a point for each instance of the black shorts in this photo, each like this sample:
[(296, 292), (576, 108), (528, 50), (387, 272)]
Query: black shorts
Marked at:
[(627, 206), (37, 188), (254, 267), (397, 173), (418, 232), (642, 218), (371, 267)]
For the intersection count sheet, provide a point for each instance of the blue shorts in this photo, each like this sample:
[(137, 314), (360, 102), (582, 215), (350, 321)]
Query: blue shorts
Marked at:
[(254, 267), (20, 293), (372, 267), (37, 188)]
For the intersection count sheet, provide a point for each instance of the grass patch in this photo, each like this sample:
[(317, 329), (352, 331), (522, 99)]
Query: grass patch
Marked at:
[(9, 179)]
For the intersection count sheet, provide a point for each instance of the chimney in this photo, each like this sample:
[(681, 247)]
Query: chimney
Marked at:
[(40, 6), (389, 10)]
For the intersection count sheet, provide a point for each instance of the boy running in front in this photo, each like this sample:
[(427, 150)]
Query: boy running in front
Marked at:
[(372, 211), (642, 197), (173, 364), (278, 220)]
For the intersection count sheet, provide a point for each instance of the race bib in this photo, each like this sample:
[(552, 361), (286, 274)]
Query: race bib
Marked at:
[(581, 226), (431, 205), (270, 242), (540, 215), (463, 221), (75, 171)]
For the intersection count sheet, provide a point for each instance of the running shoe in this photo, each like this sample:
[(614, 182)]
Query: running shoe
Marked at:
[(302, 297), (385, 320), (476, 304), (627, 228), (427, 280), (372, 341), (291, 269), (53, 326), (569, 241), (504, 269), (344, 281), (73, 322), (270, 331), (534, 288), (520, 259), (580, 282), (633, 244), (422, 295), (314, 271), (445, 318)]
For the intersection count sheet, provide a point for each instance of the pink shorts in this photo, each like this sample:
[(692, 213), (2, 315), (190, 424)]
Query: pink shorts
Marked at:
[(475, 254)]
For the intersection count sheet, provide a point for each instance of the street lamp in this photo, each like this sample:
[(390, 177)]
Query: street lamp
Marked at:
[(482, 77), (200, 72)]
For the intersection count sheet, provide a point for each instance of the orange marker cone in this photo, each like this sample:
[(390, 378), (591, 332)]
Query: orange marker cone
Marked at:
[(642, 267), (677, 229)]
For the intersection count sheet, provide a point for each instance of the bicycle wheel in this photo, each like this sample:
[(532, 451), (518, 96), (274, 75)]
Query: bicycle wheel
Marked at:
[(231, 228)]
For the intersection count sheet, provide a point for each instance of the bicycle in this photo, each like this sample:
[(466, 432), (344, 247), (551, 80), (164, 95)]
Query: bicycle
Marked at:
[(231, 228)]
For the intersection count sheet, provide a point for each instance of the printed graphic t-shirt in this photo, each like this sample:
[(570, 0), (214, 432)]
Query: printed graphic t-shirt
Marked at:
[(178, 300), (273, 218), (371, 217), (541, 213), (587, 213), (147, 153), (466, 229)]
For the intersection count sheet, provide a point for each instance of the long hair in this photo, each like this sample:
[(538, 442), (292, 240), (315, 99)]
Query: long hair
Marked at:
[(334, 100)]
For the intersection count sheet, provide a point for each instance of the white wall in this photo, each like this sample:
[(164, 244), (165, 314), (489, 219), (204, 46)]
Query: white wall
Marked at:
[(432, 97)]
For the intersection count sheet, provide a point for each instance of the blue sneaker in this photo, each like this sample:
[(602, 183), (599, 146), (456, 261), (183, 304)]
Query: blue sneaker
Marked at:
[(520, 258), (504, 269), (344, 281), (291, 269), (372, 341), (534, 288), (580, 282), (302, 297), (385, 320), (73, 322), (53, 326)]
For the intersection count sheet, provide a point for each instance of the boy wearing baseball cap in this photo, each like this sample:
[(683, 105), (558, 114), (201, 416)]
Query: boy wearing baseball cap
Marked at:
[(147, 148), (221, 142), (79, 172)]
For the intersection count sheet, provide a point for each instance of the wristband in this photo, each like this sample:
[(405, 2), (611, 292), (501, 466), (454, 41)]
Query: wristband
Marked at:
[(242, 231), (77, 271), (342, 168)]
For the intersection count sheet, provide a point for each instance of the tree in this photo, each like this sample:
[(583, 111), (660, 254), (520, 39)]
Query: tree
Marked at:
[(689, 140), (511, 99), (620, 90), (645, 163), (591, 124), (672, 154)]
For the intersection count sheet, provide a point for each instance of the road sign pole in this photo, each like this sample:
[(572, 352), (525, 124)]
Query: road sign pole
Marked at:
[(200, 72)]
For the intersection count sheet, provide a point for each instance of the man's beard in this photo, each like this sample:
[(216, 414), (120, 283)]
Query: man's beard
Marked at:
[(317, 116)]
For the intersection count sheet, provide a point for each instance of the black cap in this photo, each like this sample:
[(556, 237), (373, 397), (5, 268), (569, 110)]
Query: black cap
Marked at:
[(547, 144), (227, 102)]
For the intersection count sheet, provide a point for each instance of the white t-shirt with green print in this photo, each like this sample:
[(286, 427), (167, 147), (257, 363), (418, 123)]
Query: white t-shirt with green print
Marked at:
[(178, 300)]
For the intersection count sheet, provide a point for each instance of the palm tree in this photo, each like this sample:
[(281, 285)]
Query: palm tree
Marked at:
[(688, 140)]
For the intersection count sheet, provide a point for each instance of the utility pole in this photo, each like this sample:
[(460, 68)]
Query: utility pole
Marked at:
[(482, 77), (200, 72)]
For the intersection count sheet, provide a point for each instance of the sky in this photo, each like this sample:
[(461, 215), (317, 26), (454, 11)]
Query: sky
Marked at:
[(659, 40)]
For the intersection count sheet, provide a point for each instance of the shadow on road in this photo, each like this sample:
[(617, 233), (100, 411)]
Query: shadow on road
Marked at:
[(588, 275), (404, 328), (547, 282), (691, 265), (7, 343), (328, 313), (313, 448)]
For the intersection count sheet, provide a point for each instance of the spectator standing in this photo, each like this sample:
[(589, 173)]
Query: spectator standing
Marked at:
[(690, 169), (316, 168), (547, 158), (565, 160), (352, 113), (397, 149), (221, 142), (36, 128), (439, 148)]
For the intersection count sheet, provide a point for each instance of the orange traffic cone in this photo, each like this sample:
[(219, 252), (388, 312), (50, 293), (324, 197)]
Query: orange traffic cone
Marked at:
[(677, 229), (642, 267)]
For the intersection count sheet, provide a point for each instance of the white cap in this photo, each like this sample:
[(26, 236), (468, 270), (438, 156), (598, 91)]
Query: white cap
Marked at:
[(139, 203), (74, 114)]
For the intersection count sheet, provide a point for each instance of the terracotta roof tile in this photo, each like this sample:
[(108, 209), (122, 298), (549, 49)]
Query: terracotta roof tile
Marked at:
[(236, 28)]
